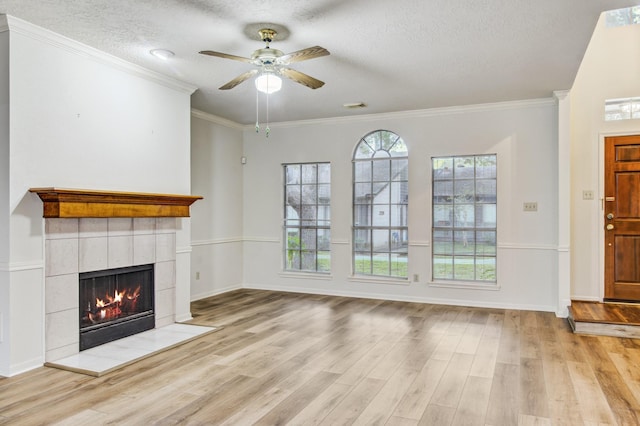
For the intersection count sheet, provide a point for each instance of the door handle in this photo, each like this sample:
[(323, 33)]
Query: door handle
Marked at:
[(610, 216), (610, 227)]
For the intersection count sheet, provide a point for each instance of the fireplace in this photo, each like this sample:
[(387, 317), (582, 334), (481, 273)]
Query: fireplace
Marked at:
[(115, 303)]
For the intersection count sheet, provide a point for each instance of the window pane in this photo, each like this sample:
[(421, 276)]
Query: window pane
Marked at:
[(486, 269), (293, 195), (399, 215), (293, 173), (388, 140), (399, 243), (381, 240), (381, 216), (324, 261), (324, 194), (362, 239), (463, 268), (464, 217), (362, 263), (324, 239), (381, 264), (442, 168), (400, 169), (399, 149), (362, 193), (486, 167), (309, 213), (442, 215), (324, 216), (464, 242), (443, 191), (463, 191), (442, 242), (398, 265), (486, 191), (308, 241), (364, 150), (399, 192), (361, 215), (381, 171), (309, 194), (324, 173), (486, 243), (443, 267), (309, 173), (464, 167), (381, 193), (362, 170), (308, 262), (486, 216)]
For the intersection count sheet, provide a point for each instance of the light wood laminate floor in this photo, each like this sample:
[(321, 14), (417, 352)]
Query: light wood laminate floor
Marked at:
[(298, 359)]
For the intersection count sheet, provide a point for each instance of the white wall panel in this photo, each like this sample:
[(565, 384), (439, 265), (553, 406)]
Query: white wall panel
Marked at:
[(522, 134)]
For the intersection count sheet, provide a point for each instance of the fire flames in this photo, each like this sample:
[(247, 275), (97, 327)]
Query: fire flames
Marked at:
[(112, 307)]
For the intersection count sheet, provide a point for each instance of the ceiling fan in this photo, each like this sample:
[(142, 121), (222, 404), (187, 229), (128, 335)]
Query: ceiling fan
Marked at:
[(271, 61)]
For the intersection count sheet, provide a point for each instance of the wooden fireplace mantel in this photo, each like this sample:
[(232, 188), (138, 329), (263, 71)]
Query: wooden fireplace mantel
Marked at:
[(75, 203)]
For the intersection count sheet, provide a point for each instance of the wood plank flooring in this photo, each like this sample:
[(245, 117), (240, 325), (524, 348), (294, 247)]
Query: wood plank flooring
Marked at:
[(285, 358)]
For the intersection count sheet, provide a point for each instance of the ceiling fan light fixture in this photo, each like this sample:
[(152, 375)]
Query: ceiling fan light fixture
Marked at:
[(268, 83)]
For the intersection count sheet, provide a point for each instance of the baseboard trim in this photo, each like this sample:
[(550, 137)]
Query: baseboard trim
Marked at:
[(434, 301), (216, 292)]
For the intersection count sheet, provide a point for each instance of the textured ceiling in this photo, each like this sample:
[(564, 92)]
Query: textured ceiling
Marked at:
[(392, 55)]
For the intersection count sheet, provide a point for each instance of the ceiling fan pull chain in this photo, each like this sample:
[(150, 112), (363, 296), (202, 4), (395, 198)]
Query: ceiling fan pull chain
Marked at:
[(257, 111), (267, 130)]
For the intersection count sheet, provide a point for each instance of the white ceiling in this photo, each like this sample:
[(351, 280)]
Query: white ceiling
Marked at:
[(392, 55)]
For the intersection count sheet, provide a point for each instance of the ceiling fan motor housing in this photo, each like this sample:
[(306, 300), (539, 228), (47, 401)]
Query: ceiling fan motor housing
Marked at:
[(266, 56)]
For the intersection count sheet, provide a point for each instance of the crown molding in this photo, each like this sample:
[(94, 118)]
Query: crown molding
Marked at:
[(560, 95), (43, 35), (215, 119), (421, 113)]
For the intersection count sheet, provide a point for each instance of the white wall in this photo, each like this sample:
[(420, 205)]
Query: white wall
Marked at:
[(609, 70), (4, 189), (216, 221), (524, 136), (82, 119)]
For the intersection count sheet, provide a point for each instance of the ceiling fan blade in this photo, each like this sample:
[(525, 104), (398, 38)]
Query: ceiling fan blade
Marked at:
[(303, 55), (225, 55), (239, 79), (302, 78)]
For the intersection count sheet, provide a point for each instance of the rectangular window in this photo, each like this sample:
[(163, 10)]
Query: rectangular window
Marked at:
[(623, 17), (621, 109), (464, 218), (307, 217)]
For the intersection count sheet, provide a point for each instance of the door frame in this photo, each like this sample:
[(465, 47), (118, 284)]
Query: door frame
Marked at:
[(600, 204)]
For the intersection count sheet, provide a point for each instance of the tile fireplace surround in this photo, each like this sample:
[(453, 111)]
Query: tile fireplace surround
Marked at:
[(78, 245)]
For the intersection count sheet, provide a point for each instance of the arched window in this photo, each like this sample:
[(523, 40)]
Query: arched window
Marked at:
[(380, 204)]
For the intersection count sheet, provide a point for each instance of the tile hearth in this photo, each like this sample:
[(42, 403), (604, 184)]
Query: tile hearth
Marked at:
[(120, 353)]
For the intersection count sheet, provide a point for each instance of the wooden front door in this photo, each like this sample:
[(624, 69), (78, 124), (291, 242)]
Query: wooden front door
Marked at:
[(622, 218)]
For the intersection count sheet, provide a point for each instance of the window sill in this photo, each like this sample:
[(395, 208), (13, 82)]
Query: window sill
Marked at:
[(379, 280), (307, 275), (467, 285)]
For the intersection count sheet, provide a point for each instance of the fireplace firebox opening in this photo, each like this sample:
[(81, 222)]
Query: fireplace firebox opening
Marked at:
[(115, 303)]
